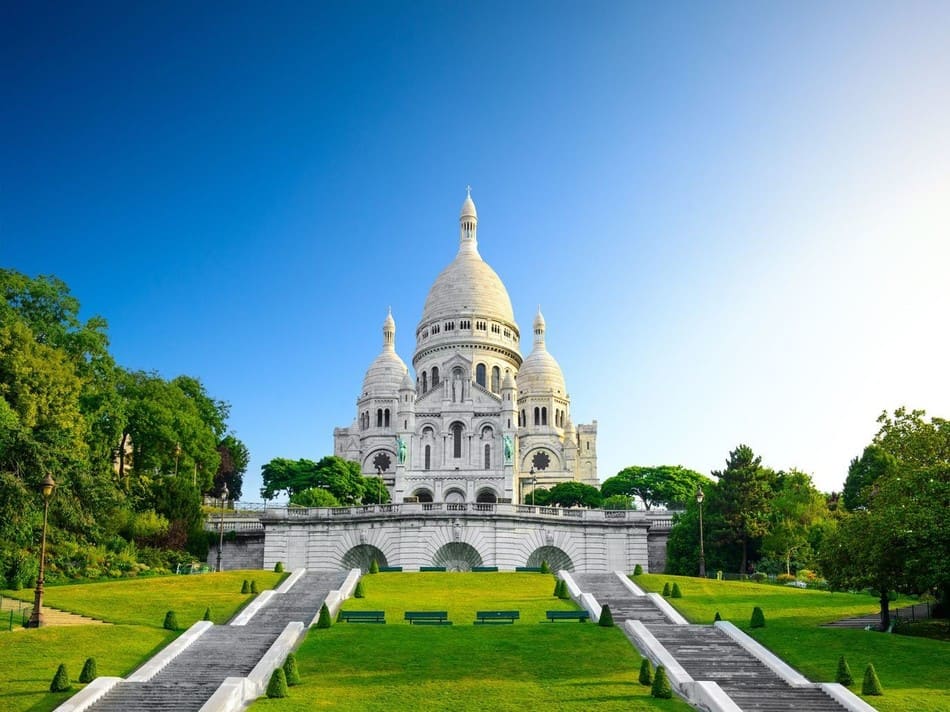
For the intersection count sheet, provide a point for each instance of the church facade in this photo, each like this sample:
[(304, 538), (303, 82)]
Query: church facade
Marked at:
[(478, 423)]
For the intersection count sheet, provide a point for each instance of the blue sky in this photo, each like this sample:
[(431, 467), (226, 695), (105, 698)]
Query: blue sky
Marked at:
[(734, 216)]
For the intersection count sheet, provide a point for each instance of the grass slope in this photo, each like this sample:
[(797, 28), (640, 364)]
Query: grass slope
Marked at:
[(29, 658), (913, 671), (525, 666)]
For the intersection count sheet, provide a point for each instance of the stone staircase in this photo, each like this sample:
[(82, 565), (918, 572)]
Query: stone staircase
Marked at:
[(187, 682), (707, 653)]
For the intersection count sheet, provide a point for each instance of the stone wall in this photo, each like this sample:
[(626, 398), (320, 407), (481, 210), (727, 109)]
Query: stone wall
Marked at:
[(656, 546), (246, 551)]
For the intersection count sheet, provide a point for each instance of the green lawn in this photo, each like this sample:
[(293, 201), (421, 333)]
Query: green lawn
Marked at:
[(29, 658), (914, 672), (532, 664)]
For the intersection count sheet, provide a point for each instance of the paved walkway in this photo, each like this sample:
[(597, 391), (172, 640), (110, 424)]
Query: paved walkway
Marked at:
[(187, 682), (707, 653), (51, 616), (916, 612)]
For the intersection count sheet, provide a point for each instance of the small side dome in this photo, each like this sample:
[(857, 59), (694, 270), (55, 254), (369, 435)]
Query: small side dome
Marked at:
[(509, 381), (386, 373), (468, 206), (407, 383), (540, 372)]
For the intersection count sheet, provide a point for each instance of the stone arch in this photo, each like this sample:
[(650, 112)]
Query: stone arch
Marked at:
[(557, 558), (486, 495), (423, 493), (457, 556), (454, 495), (361, 556)]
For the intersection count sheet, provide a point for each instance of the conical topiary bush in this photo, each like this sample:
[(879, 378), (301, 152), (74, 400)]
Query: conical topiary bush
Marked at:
[(637, 570), (606, 618), (89, 671), (359, 591), (60, 681), (290, 670), (758, 618), (245, 587), (871, 684), (374, 567), (844, 676), (646, 673), (565, 591), (557, 587), (676, 593), (661, 685), (171, 621), (207, 615), (545, 569), (279, 567), (666, 589), (254, 586), (324, 620), (718, 617), (277, 687)]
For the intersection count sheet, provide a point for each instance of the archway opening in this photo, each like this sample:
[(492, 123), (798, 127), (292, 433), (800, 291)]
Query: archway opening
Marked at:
[(457, 556), (557, 559), (486, 496), (454, 496), (423, 494), (361, 556)]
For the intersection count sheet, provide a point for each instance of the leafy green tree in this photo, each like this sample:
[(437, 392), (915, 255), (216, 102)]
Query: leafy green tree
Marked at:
[(875, 462), (914, 441), (314, 497), (574, 494), (744, 495), (540, 497), (234, 460), (668, 485), (619, 501), (375, 491), (796, 508), (340, 477)]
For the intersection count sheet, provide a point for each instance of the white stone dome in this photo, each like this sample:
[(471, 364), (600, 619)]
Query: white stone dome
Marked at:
[(540, 372), (385, 375), (468, 286)]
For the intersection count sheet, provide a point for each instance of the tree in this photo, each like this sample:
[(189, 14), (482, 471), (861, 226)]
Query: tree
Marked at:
[(745, 491), (796, 507), (668, 485), (375, 491), (314, 497), (618, 501), (573, 494), (340, 477), (912, 440), (234, 459), (874, 463)]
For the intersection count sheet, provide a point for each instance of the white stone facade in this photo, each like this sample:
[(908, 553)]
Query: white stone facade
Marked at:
[(478, 423)]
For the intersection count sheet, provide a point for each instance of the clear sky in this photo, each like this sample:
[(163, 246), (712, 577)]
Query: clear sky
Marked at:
[(735, 217)]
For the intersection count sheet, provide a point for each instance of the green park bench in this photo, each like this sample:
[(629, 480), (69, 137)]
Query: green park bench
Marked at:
[(482, 617), (432, 568), (484, 569), (528, 569), (428, 618), (390, 569), (361, 617), (568, 616)]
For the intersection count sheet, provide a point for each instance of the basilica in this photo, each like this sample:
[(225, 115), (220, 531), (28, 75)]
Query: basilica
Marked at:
[(479, 423)]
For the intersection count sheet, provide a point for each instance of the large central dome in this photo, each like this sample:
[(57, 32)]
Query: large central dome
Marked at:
[(468, 286)]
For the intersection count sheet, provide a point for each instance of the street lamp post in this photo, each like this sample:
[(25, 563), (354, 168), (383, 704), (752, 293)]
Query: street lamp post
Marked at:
[(36, 617), (224, 500), (702, 554)]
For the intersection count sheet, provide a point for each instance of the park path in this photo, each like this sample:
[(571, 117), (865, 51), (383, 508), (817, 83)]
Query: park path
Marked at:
[(51, 616), (707, 653), (187, 682)]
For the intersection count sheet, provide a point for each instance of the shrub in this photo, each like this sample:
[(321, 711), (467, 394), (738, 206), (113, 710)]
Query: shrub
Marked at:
[(171, 621), (207, 615), (277, 687), (871, 685), (565, 592), (785, 578), (374, 567), (254, 586), (718, 617), (558, 583), (646, 673), (606, 618), (245, 587), (758, 618), (60, 681), (89, 671), (844, 676), (545, 569), (359, 591), (279, 567), (661, 685), (760, 577), (637, 570), (676, 593), (290, 670), (324, 620), (667, 590)]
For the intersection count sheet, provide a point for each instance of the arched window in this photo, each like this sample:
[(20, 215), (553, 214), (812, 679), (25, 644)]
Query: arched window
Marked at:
[(379, 417), (457, 440), (495, 379), (544, 416), (435, 376), (428, 464), (425, 382), (537, 416), (386, 417), (524, 419), (457, 372), (487, 456), (480, 374)]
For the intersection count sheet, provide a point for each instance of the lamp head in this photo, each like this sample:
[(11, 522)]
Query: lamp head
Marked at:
[(48, 485), (700, 496)]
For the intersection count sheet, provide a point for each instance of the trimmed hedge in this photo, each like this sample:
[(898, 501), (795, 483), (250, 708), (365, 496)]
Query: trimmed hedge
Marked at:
[(254, 586), (171, 621), (718, 617), (606, 617), (359, 591), (324, 620), (89, 671), (871, 685), (60, 681), (207, 615), (667, 590), (758, 618), (291, 673), (637, 570), (646, 673), (545, 569), (277, 687), (279, 567), (844, 676), (558, 584), (245, 587), (374, 567), (661, 685), (676, 593)]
